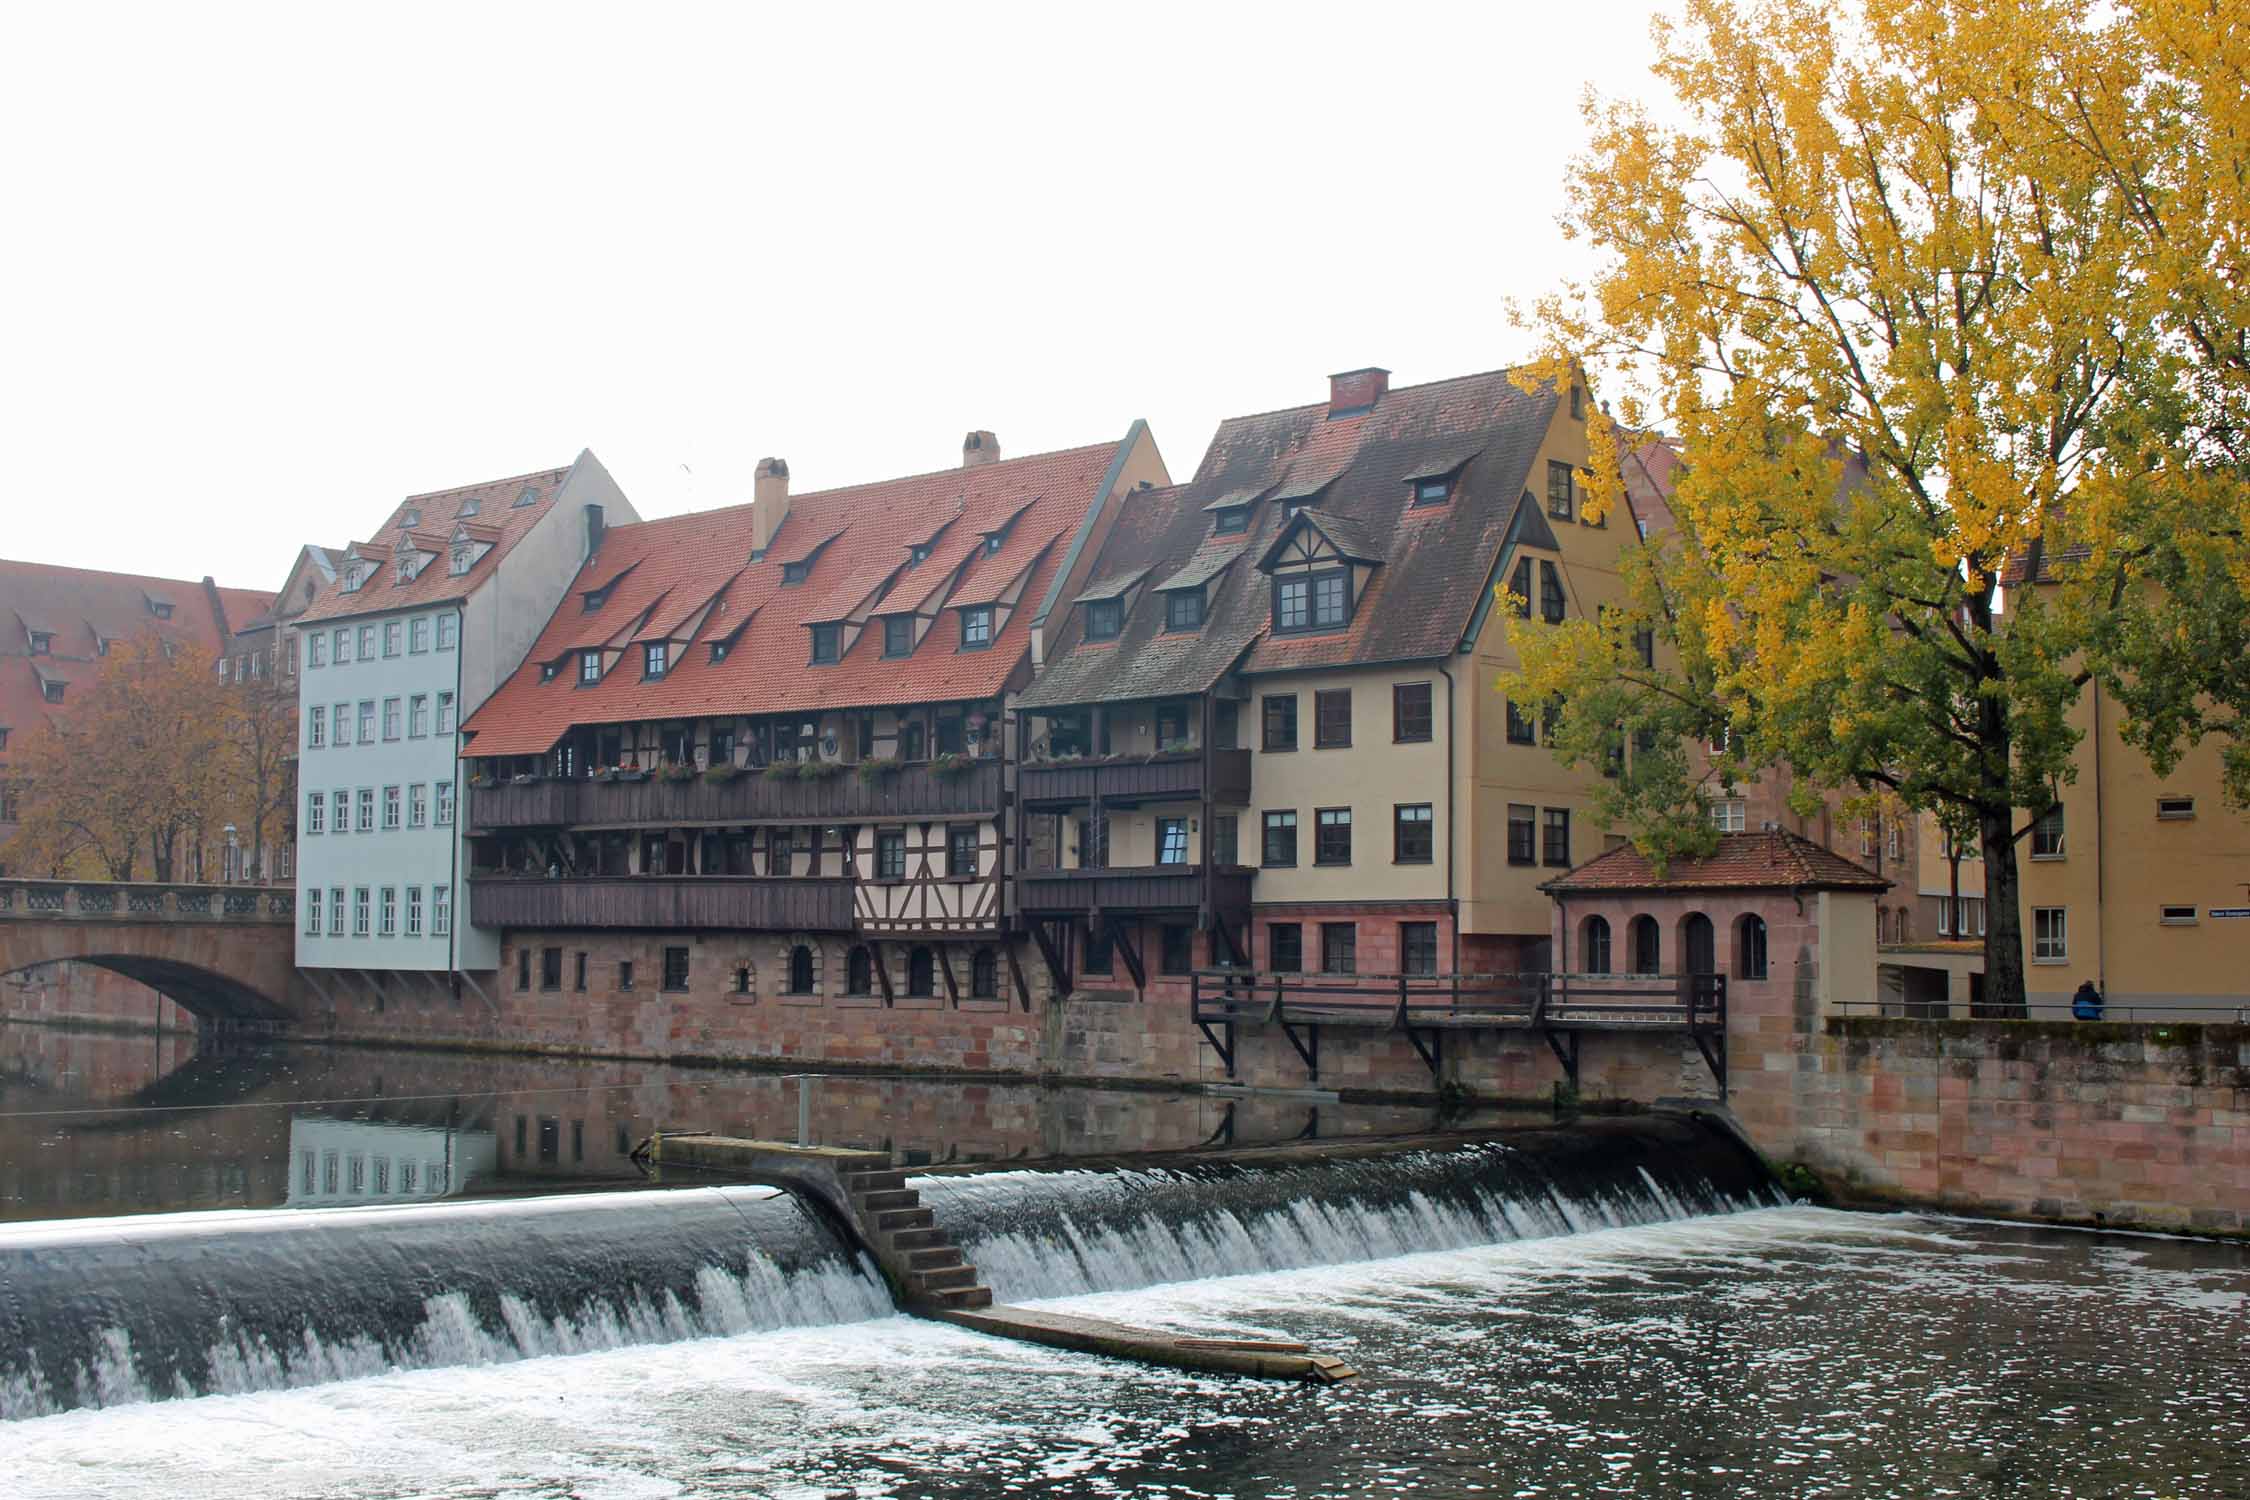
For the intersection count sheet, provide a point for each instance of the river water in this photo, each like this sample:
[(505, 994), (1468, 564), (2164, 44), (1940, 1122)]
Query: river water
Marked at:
[(1610, 1310)]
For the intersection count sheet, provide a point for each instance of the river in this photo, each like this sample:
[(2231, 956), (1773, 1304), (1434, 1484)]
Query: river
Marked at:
[(1604, 1310)]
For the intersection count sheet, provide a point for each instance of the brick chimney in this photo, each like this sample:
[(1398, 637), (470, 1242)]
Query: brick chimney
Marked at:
[(1356, 391), (769, 507), (979, 448)]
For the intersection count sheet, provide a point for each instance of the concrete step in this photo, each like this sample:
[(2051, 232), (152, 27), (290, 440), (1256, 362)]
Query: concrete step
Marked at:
[(948, 1276), (892, 1220), (964, 1297), (873, 1180), (886, 1198), (903, 1240), (937, 1257)]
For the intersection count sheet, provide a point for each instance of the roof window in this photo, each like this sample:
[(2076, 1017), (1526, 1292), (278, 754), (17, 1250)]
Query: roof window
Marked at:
[(1230, 520), (589, 668), (1308, 602), (528, 496), (917, 554), (976, 627), (719, 650), (898, 635), (464, 558), (827, 644), (653, 658), (471, 506), (1183, 609), (1105, 619), (42, 642), (547, 671), (161, 608), (794, 573), (1434, 489), (410, 517), (51, 689)]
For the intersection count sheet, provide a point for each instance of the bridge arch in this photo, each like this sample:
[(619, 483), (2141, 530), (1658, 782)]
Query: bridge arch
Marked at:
[(222, 953)]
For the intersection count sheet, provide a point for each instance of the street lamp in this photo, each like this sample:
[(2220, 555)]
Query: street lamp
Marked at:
[(231, 854)]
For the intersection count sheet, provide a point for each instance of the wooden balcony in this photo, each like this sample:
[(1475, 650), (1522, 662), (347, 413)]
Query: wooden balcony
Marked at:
[(1131, 779), (916, 790), (1135, 889), (667, 902)]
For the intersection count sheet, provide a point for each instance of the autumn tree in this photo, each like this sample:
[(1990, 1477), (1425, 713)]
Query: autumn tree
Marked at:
[(132, 776), (1924, 289), (257, 767)]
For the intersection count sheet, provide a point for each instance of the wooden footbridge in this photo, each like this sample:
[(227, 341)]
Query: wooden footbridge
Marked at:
[(1558, 1008), (866, 1199)]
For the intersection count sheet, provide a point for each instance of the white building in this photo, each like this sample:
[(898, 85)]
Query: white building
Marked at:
[(422, 624)]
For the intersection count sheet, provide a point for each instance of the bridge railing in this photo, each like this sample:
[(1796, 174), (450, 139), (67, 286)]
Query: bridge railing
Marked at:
[(141, 901)]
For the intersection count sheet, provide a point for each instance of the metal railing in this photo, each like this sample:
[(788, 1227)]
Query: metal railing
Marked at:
[(1599, 1001), (2223, 1012)]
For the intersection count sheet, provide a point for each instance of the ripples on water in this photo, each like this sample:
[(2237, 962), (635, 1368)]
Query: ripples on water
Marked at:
[(1780, 1352)]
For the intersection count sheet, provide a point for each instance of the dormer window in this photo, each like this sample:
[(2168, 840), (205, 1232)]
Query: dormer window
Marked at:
[(547, 670), (43, 641), (1433, 490), (976, 627), (1308, 602), (719, 650), (161, 608), (408, 566), (993, 543), (1291, 508), (1183, 609), (827, 644), (462, 558), (898, 635), (52, 689), (470, 507), (409, 517), (653, 657), (589, 668), (794, 573), (917, 554), (595, 599), (1105, 619), (351, 581), (1230, 520), (528, 496)]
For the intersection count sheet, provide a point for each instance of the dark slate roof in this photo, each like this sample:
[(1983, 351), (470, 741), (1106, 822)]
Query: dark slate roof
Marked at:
[(1200, 568), (1435, 560), (1775, 859), (1111, 588)]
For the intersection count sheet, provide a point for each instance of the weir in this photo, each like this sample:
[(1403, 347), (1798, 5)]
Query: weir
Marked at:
[(107, 1312)]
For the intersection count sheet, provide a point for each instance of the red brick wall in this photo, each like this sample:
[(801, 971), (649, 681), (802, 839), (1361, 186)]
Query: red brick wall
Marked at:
[(82, 994)]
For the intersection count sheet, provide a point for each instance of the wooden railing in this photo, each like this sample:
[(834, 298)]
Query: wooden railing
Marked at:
[(675, 902), (1578, 1001), (142, 901), (1134, 888), (915, 790), (1128, 779)]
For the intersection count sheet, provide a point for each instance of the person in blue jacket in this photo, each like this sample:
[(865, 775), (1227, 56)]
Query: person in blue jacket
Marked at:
[(2086, 1004)]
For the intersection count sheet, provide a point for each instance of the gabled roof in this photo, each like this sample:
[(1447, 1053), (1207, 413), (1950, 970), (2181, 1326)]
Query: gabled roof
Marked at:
[(1435, 558), (499, 521), (767, 668), (1111, 588), (1349, 537), (1774, 859)]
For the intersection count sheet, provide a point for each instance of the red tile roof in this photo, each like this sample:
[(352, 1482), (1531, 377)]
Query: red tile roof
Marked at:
[(1775, 859), (497, 518), (686, 561)]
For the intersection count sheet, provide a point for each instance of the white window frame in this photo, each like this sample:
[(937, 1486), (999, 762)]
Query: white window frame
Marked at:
[(363, 911), (589, 668), (365, 822), (418, 716), (342, 641), (316, 804), (418, 634), (2046, 948), (313, 898), (393, 718), (316, 727), (367, 721), (342, 720), (417, 806), (336, 911), (316, 650), (392, 803), (366, 643), (448, 629), (389, 913), (413, 911), (441, 910), (1730, 814), (445, 713), (340, 805), (444, 801), (393, 631)]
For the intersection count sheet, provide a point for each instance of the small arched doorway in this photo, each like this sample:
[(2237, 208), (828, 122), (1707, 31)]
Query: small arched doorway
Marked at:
[(1593, 946), (1699, 948), (1643, 932), (1750, 946)]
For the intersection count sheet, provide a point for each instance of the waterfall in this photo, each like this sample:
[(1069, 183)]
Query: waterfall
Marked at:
[(1064, 1233), (105, 1312)]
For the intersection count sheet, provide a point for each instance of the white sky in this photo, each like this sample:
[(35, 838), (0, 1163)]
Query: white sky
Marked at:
[(265, 271)]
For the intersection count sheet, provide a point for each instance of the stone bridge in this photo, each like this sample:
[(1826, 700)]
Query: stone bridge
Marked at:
[(224, 953)]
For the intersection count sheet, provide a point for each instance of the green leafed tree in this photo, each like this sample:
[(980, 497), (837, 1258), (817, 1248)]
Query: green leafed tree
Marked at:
[(1925, 291)]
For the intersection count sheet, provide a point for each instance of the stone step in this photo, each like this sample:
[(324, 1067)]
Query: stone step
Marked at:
[(948, 1276), (873, 1180), (964, 1297), (903, 1240), (886, 1198), (893, 1220), (935, 1258)]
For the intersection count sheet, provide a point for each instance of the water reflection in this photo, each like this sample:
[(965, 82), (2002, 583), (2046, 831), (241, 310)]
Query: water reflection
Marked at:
[(98, 1123)]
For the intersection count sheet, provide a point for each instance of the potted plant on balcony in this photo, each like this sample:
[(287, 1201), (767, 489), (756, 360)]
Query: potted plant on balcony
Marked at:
[(820, 770), (959, 763), (631, 773), (722, 773), (878, 768), (781, 770), (481, 781), (675, 772)]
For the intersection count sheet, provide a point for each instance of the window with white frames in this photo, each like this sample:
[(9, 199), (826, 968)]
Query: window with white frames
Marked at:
[(413, 911), (417, 805), (316, 650), (390, 911), (366, 820), (441, 910), (366, 643), (390, 809), (589, 666), (316, 726), (392, 630), (2050, 934), (362, 911), (316, 804), (418, 634), (448, 626), (341, 805), (367, 721), (391, 718), (445, 713), (336, 912), (445, 804), (343, 722), (417, 716), (1729, 815), (342, 640), (313, 899)]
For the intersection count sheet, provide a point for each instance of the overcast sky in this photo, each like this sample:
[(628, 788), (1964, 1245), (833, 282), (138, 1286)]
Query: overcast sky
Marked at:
[(266, 271)]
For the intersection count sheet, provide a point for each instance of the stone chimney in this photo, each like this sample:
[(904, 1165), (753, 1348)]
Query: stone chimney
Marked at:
[(769, 507), (979, 448), (1356, 391), (594, 527)]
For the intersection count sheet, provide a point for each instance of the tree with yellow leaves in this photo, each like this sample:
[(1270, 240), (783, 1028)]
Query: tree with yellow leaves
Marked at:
[(130, 779), (1934, 295)]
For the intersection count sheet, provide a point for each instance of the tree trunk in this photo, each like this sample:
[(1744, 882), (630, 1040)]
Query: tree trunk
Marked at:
[(2003, 921)]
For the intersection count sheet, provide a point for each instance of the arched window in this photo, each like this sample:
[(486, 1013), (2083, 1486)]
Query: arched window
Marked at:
[(1750, 947), (1644, 936), (984, 975), (921, 972), (859, 971), (1593, 946), (801, 969), (1699, 947)]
